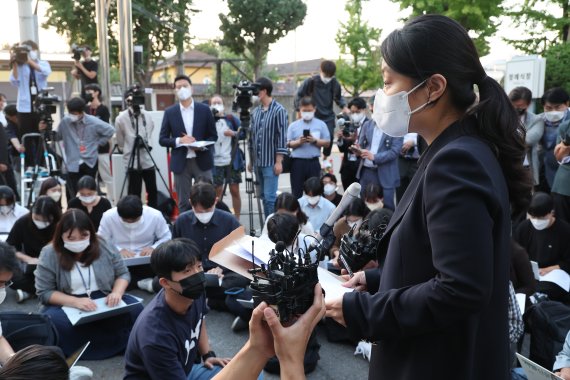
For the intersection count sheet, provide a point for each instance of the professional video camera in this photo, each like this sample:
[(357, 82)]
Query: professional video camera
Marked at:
[(358, 249), (288, 283), (348, 127), (45, 105), (135, 98), (20, 53), (242, 99), (77, 51)]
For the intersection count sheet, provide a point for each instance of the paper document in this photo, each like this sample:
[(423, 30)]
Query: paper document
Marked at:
[(521, 300), (559, 277), (332, 284), (80, 317), (534, 266), (199, 144), (261, 249), (534, 371)]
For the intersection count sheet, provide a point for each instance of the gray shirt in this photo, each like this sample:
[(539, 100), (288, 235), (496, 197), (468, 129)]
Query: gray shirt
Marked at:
[(82, 139), (51, 277), (126, 134)]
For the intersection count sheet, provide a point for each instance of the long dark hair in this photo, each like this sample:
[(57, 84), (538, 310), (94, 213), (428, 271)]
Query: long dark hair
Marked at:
[(75, 219), (47, 208), (288, 202), (36, 362), (49, 183), (434, 44)]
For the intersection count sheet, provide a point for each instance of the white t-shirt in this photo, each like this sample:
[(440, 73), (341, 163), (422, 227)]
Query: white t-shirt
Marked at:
[(78, 283), (223, 146), (7, 221)]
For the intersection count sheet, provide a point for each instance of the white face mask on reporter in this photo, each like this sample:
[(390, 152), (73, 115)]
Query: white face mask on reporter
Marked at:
[(329, 189), (554, 116), (184, 93), (77, 246), (392, 112), (313, 200), (307, 116), (540, 224), (204, 217)]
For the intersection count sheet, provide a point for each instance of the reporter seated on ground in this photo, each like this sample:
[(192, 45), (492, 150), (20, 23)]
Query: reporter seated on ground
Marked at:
[(171, 330), (10, 211), (373, 196), (545, 238), (268, 337), (77, 268), (52, 188), (330, 188), (285, 228), (351, 220), (134, 230), (36, 362), (286, 203), (89, 201), (313, 204), (28, 236)]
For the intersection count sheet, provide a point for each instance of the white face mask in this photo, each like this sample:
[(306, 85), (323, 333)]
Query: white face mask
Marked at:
[(204, 217), (184, 93), (74, 118), (33, 55), (133, 225), (540, 224), (254, 99), (554, 116), (87, 199), (392, 112), (5, 210), (374, 206), (329, 189), (55, 195), (218, 107), (307, 116), (41, 225), (77, 246), (357, 117), (325, 79), (313, 200), (2, 294)]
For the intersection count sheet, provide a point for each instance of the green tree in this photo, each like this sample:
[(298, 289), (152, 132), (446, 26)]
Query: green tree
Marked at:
[(358, 43), (543, 28), (158, 25), (557, 63), (250, 27), (480, 17)]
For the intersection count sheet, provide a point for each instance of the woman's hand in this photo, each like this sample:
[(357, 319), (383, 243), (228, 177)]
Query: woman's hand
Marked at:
[(113, 299), (358, 281), (84, 303)]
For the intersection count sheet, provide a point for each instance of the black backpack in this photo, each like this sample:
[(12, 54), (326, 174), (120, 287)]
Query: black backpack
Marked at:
[(548, 323), (22, 329)]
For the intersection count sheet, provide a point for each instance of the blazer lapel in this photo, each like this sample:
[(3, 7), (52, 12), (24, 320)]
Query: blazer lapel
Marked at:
[(179, 122)]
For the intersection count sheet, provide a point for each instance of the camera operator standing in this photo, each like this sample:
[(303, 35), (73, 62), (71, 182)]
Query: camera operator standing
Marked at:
[(29, 74), (143, 167), (348, 136), (85, 71)]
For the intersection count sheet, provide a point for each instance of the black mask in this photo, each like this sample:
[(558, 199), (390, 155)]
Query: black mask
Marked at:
[(521, 111), (193, 286), (88, 97)]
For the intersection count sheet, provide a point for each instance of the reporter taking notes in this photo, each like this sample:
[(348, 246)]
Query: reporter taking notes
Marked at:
[(439, 310)]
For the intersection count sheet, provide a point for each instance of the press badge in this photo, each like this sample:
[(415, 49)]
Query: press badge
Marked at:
[(33, 90)]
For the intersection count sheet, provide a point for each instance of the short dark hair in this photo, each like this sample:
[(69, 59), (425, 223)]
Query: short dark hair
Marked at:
[(203, 194), (11, 110), (306, 101), (330, 176), (520, 93), (181, 77), (48, 184), (87, 182), (282, 227), (358, 103), (71, 220), (556, 95), (76, 105), (540, 204), (265, 84), (174, 256), (328, 68), (373, 190), (94, 87), (357, 208), (32, 44), (8, 261), (313, 186), (130, 207), (47, 208), (286, 201), (35, 361), (7, 193)]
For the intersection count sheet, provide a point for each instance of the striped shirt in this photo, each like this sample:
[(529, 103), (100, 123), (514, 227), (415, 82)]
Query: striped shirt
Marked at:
[(269, 133)]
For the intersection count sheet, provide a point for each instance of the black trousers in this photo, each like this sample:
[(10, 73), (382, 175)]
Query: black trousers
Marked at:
[(28, 123), (330, 125), (84, 169), (301, 170), (562, 206), (348, 173), (135, 184)]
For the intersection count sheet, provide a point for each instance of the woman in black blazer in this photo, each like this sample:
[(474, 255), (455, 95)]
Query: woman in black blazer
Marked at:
[(437, 308)]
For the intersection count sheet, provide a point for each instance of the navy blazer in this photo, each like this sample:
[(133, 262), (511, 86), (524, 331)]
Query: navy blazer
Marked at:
[(386, 159), (439, 308), (204, 129)]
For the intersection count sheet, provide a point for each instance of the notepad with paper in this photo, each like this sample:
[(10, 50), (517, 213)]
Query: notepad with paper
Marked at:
[(80, 317), (199, 144)]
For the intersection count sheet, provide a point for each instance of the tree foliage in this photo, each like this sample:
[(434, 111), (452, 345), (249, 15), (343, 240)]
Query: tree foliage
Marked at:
[(158, 25), (480, 17), (358, 68), (557, 63), (251, 26), (543, 28)]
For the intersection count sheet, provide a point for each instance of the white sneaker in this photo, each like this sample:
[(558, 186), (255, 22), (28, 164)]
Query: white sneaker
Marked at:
[(363, 348), (145, 284), (22, 296)]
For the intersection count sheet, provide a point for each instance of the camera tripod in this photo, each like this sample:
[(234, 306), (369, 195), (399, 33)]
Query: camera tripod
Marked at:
[(138, 145)]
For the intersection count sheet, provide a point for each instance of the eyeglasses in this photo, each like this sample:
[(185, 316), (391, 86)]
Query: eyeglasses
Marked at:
[(6, 284)]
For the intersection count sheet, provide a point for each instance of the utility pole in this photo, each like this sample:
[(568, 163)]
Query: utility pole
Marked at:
[(101, 12)]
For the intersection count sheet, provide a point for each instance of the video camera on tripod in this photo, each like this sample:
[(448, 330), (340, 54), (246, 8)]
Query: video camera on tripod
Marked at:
[(20, 53), (245, 90), (45, 105), (135, 98)]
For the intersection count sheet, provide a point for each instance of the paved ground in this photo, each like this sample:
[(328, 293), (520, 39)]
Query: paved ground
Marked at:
[(337, 360)]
